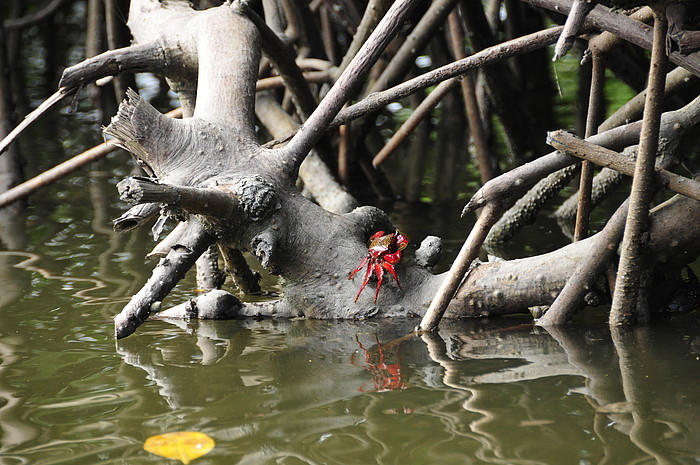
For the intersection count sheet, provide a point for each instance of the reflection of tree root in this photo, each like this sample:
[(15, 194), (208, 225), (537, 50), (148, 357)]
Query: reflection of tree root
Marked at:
[(28, 264)]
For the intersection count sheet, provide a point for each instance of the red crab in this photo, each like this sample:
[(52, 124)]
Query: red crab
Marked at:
[(385, 251)]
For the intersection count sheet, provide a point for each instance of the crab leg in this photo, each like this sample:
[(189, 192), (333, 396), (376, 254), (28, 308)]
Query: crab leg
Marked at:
[(380, 350), (367, 276), (379, 271), (359, 267)]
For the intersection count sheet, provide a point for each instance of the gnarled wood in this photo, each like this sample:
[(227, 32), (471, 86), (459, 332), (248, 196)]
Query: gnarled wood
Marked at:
[(211, 171)]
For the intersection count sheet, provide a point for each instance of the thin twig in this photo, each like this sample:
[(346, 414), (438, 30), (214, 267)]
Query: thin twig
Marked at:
[(316, 77), (595, 102), (418, 115), (471, 105), (34, 115)]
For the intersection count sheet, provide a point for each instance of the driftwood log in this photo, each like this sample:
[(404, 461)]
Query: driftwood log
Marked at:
[(210, 171)]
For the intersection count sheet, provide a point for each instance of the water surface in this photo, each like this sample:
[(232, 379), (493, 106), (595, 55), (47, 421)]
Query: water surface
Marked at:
[(301, 391)]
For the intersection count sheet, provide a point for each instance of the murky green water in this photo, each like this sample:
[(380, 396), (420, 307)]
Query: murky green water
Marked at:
[(294, 392)]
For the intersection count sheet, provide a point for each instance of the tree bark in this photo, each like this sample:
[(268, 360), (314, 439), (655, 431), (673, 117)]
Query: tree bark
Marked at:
[(624, 310)]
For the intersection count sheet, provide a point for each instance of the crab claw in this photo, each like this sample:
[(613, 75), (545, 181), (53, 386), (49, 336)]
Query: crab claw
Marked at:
[(401, 240), (390, 268)]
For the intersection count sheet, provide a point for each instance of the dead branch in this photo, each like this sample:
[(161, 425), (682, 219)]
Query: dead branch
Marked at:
[(595, 107), (378, 100), (572, 27), (476, 125), (527, 207), (135, 217), (373, 13), (569, 143), (23, 190), (570, 299), (162, 249), (511, 185), (460, 267), (151, 57), (604, 183), (315, 77), (209, 276), (404, 57), (45, 106), (235, 264), (418, 115), (206, 201), (169, 271)]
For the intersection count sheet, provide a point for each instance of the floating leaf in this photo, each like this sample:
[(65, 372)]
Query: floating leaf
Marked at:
[(184, 446)]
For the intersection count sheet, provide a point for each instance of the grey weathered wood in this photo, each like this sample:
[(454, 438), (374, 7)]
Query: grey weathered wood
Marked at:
[(169, 271), (567, 142)]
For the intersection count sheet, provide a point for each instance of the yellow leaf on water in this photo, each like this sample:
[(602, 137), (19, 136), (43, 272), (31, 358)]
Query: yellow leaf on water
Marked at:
[(184, 446)]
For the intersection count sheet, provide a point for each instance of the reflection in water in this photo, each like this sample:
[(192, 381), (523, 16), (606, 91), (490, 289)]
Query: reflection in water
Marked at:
[(15, 430), (384, 363), (498, 395), (629, 384), (29, 264), (167, 362)]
